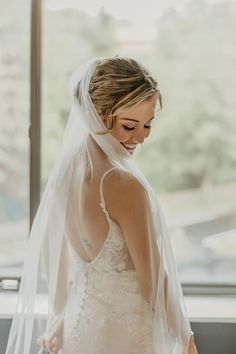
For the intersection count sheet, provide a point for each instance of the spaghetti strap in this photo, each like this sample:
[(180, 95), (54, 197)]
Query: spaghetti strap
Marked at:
[(102, 203)]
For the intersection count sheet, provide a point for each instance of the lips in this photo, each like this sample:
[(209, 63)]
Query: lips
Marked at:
[(129, 147)]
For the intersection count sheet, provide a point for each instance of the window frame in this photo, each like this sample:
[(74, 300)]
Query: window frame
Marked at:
[(35, 147)]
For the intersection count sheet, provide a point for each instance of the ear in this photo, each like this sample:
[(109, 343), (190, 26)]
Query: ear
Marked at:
[(109, 121)]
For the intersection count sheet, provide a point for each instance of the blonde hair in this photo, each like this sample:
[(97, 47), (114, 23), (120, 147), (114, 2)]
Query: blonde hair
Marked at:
[(116, 85)]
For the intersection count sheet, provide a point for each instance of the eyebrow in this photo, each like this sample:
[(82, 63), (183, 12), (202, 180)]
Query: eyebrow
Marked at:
[(134, 120)]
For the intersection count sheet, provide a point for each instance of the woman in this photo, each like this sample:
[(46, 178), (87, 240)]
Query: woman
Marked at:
[(99, 252)]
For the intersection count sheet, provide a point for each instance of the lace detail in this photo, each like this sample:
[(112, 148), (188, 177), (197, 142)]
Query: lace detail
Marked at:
[(105, 311)]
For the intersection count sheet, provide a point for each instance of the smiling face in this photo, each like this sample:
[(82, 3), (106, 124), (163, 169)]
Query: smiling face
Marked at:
[(133, 126), (124, 94)]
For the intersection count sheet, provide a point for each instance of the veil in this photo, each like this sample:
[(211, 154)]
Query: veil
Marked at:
[(47, 269)]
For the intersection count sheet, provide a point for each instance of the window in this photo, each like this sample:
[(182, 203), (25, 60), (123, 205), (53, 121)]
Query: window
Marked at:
[(14, 142), (190, 158)]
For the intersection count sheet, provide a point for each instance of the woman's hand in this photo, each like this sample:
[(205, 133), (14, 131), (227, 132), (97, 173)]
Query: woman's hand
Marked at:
[(51, 341), (52, 345), (192, 347)]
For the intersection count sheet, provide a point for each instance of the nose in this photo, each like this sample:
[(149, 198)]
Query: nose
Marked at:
[(139, 136)]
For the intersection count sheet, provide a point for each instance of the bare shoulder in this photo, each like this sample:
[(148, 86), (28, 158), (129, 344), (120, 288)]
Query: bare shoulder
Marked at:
[(118, 181), (122, 191)]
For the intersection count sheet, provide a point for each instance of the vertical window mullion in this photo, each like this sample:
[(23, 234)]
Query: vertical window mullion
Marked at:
[(35, 106)]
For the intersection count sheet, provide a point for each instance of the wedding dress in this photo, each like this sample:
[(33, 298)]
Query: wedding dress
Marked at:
[(105, 311)]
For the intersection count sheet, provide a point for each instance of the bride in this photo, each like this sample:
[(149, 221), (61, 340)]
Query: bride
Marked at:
[(99, 275)]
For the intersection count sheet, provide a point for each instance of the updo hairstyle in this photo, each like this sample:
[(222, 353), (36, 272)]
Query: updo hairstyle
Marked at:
[(117, 84)]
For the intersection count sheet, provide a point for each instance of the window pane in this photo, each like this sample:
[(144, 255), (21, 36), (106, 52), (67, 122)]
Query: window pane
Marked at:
[(14, 144), (190, 157), (192, 161)]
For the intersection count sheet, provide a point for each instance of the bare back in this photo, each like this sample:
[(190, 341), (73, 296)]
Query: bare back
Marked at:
[(86, 224)]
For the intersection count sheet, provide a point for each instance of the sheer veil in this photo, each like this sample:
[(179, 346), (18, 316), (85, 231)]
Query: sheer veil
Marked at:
[(47, 272)]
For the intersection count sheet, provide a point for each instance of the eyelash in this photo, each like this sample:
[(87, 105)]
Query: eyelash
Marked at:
[(145, 126)]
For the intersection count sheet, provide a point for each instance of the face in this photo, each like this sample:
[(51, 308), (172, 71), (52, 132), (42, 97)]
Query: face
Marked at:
[(133, 126)]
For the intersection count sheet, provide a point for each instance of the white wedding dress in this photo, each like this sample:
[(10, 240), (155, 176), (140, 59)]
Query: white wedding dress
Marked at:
[(105, 311)]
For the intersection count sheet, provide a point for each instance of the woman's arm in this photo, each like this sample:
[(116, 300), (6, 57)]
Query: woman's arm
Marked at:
[(52, 339), (62, 280), (127, 203)]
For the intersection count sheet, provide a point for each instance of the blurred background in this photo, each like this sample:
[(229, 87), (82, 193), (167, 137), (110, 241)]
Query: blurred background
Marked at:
[(190, 159)]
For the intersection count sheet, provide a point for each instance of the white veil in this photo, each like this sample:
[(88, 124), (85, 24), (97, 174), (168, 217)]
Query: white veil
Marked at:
[(46, 274)]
